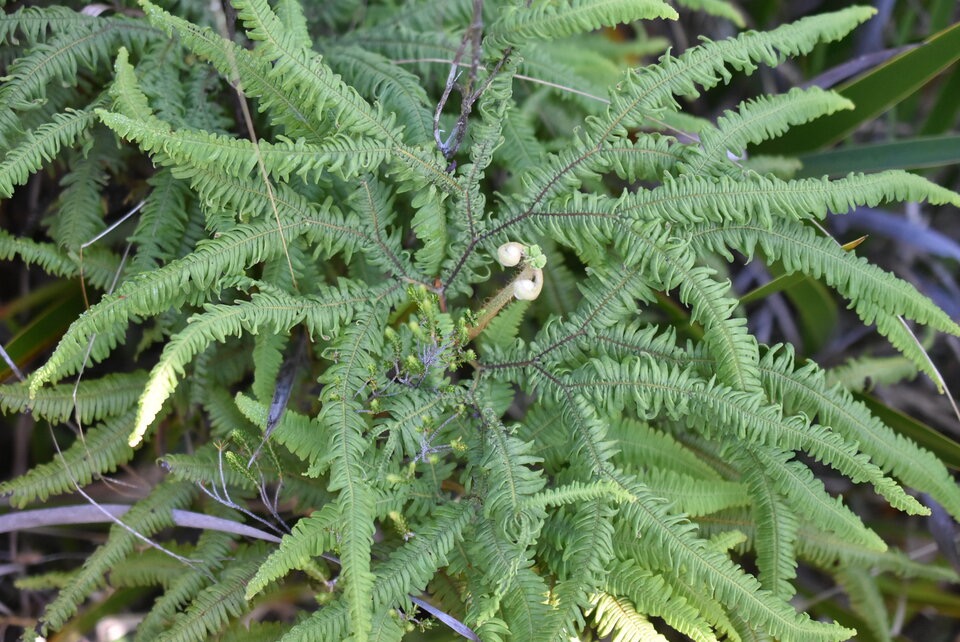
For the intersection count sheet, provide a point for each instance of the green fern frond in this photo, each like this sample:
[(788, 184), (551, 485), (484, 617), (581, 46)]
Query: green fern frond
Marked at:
[(274, 312), (547, 21), (641, 445), (29, 25), (192, 151), (291, 15), (152, 568), (805, 390), (216, 605), (57, 59), (302, 73), (520, 150), (163, 222), (585, 557), (576, 492), (397, 89), (764, 118), (510, 475), (776, 527), (719, 8), (650, 90), (657, 389), (738, 591), (51, 259), (239, 65), (867, 601), (691, 496), (186, 583), (212, 264), (646, 158), (100, 450), (209, 468), (374, 206), (651, 595), (81, 209), (424, 16), (815, 439), (358, 346), (695, 199), (806, 496), (406, 571), (40, 146), (89, 401), (51, 580), (876, 295), (311, 537), (726, 336), (618, 617), (862, 374), (300, 434), (146, 518)]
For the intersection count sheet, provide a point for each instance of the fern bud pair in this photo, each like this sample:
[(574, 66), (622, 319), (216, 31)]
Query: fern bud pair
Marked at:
[(527, 286)]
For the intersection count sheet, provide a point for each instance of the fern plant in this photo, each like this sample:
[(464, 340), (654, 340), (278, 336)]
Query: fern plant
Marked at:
[(456, 367)]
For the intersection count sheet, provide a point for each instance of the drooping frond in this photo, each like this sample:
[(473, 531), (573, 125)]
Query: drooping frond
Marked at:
[(191, 151), (143, 520), (807, 497), (216, 605), (756, 199), (649, 91), (549, 20), (264, 312), (86, 402), (876, 295), (40, 146), (764, 118), (618, 616), (215, 263), (358, 347), (311, 537), (58, 59), (99, 450), (805, 390), (719, 8), (673, 540), (867, 601), (406, 571)]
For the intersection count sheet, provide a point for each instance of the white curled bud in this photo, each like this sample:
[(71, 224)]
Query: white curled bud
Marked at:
[(528, 289), (510, 254)]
